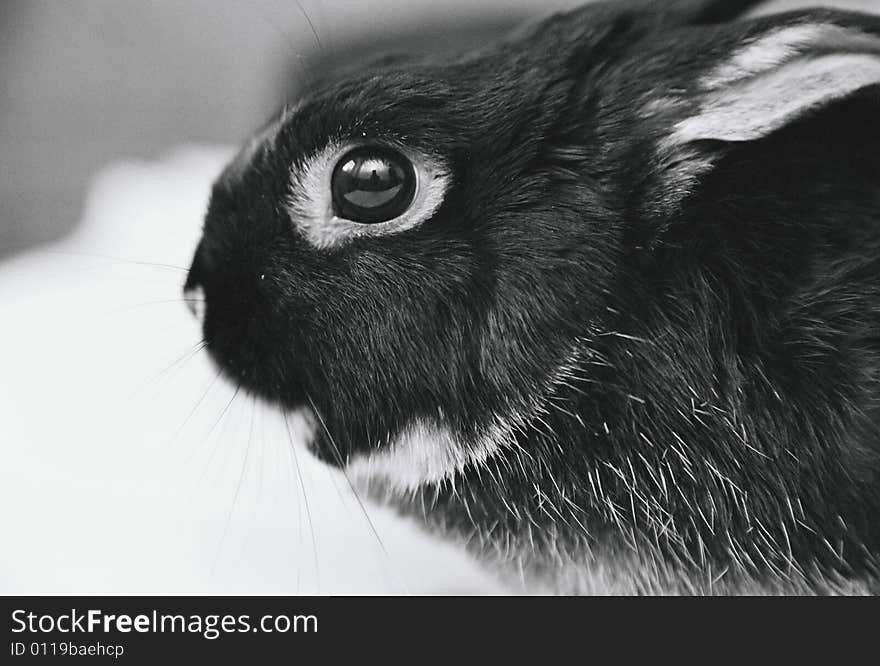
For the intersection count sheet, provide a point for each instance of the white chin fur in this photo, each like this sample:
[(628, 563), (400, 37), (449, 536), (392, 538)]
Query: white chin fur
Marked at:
[(424, 454), (427, 453)]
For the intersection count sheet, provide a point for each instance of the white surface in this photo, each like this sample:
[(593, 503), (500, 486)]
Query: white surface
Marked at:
[(118, 477)]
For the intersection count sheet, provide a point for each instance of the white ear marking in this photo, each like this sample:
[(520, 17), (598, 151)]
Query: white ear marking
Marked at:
[(783, 44), (771, 81), (757, 107), (777, 77)]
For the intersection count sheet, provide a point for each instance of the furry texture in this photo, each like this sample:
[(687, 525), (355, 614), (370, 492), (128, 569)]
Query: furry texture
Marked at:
[(675, 351)]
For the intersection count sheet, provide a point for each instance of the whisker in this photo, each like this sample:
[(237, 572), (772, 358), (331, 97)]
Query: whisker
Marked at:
[(354, 492), (173, 372), (274, 24), (200, 401), (214, 448), (143, 304), (299, 520), (302, 486), (165, 328), (311, 25), (262, 447), (103, 272), (244, 466), (186, 356), (225, 409), (115, 259)]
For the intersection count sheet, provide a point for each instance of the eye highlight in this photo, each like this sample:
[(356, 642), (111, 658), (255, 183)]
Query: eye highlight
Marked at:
[(372, 184)]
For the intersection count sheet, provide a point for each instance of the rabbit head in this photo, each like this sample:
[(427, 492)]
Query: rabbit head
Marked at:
[(598, 299)]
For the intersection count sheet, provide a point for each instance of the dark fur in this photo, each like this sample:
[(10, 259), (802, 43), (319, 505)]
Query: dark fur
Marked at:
[(719, 430)]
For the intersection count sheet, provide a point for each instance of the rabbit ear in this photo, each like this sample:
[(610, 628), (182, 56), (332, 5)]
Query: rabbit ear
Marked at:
[(772, 77), (779, 77)]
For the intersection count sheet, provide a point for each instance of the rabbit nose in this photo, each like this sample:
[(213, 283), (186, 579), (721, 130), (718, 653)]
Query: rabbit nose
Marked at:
[(193, 292), (195, 302)]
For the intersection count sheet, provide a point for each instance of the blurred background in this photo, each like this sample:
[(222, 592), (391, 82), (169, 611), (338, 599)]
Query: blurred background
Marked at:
[(125, 465)]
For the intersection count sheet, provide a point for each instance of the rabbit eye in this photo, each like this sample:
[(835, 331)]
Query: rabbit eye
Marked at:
[(349, 191), (372, 184)]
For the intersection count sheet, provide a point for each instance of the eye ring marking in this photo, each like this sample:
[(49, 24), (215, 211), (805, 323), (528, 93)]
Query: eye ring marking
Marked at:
[(310, 207)]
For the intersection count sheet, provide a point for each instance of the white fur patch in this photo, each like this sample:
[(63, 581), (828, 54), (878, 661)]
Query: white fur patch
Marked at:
[(423, 454)]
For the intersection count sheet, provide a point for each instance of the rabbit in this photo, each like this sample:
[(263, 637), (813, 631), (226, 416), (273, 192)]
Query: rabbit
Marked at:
[(599, 301)]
